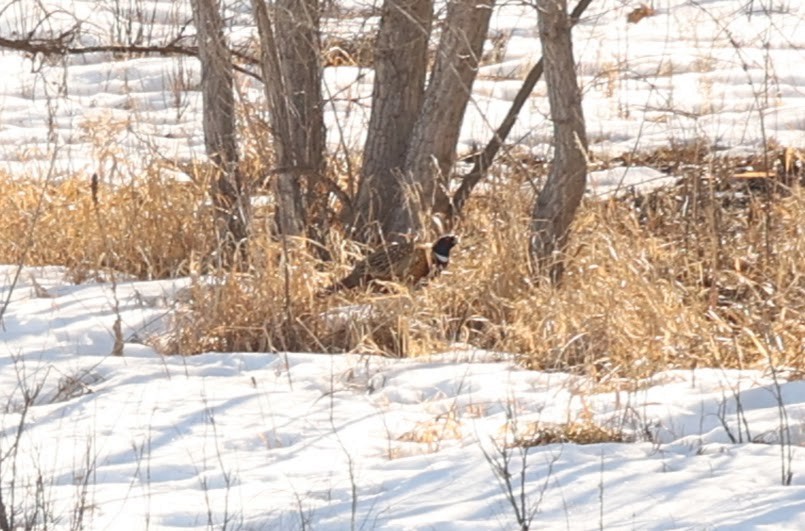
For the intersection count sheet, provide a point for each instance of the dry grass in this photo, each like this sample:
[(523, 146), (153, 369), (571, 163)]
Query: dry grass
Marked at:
[(582, 432), (149, 229), (686, 277), (354, 51), (709, 273)]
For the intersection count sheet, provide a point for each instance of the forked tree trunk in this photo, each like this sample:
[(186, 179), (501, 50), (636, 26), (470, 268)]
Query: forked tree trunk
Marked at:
[(297, 23), (290, 213), (400, 61), (229, 196), (431, 152), (557, 202), (292, 69)]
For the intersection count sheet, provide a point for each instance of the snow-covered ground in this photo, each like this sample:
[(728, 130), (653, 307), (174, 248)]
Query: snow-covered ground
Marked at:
[(311, 441), (722, 72), (308, 441)]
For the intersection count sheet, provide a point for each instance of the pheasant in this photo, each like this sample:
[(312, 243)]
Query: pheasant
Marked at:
[(406, 262)]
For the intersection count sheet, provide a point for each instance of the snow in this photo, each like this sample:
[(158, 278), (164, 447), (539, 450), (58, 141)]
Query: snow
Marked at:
[(604, 183), (263, 441), (719, 72), (312, 441)]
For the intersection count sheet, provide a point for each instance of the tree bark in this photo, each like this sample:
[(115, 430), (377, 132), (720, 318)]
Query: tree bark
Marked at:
[(292, 71), (290, 213), (400, 61), (559, 199), (431, 153), (298, 23), (230, 198)]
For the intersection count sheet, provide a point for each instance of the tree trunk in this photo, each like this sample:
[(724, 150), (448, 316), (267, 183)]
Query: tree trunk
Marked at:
[(230, 198), (292, 71), (400, 61), (431, 153), (557, 202), (297, 22)]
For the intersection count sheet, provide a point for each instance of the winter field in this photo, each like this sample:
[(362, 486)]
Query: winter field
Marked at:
[(461, 439)]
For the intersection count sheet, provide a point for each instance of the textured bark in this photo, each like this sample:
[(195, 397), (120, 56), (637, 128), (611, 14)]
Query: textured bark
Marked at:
[(431, 152), (297, 22), (292, 72), (228, 193), (290, 213), (400, 61), (557, 202)]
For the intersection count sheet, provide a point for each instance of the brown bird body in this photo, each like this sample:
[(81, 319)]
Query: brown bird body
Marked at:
[(405, 262)]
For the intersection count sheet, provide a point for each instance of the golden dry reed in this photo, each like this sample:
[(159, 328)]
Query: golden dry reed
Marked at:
[(708, 273)]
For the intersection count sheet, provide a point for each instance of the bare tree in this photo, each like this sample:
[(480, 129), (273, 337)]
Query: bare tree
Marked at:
[(414, 133), (230, 198), (400, 61), (557, 202), (430, 157), (291, 67), (413, 130), (392, 163)]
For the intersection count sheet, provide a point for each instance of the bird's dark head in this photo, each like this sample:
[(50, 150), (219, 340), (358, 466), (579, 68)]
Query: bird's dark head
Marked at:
[(441, 249)]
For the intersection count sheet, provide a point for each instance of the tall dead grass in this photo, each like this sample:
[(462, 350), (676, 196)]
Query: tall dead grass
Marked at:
[(149, 228), (708, 273)]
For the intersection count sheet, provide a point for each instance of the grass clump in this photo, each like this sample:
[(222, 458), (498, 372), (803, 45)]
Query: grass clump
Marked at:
[(581, 432), (710, 272), (148, 228), (679, 278)]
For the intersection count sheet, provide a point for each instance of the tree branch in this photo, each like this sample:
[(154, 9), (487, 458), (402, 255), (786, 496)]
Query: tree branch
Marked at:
[(61, 46)]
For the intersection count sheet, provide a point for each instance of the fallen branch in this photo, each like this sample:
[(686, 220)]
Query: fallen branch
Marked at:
[(61, 46)]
